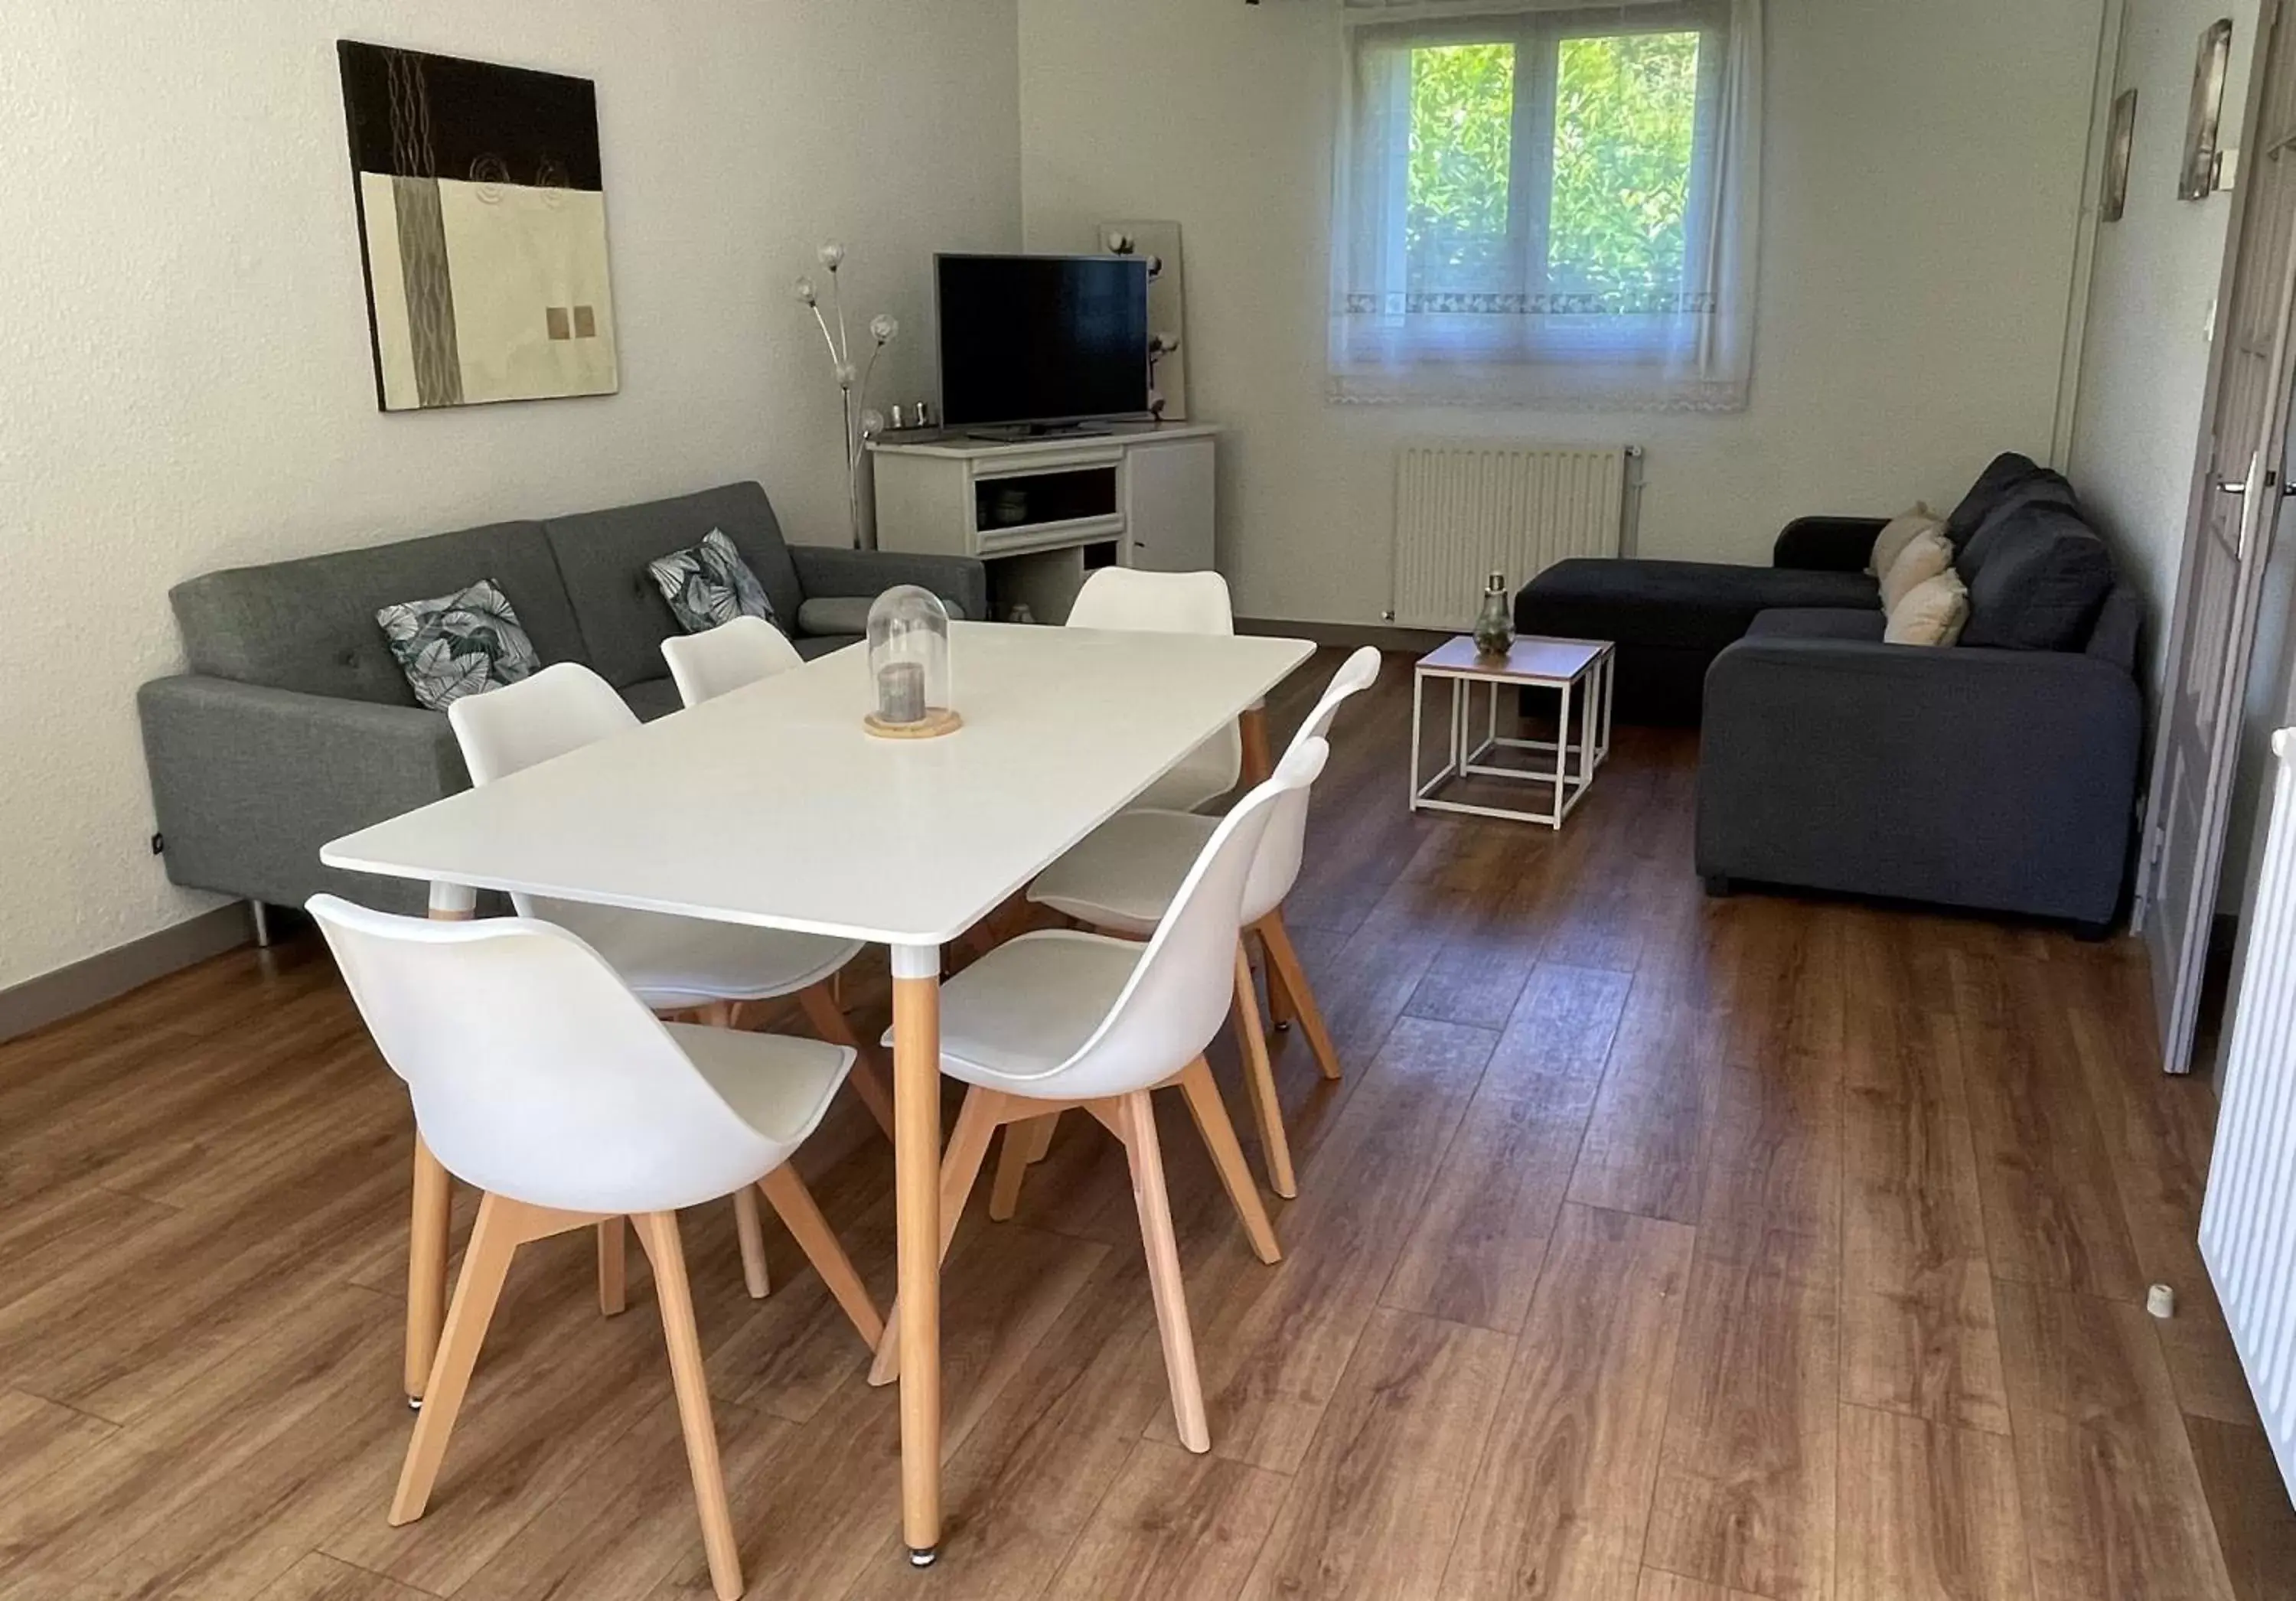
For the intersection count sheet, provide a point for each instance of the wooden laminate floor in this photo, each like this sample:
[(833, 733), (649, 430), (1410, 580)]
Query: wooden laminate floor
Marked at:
[(1652, 1249)]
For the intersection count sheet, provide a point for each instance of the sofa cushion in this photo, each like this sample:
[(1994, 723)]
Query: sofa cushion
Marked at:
[(711, 584), (1690, 606), (1817, 622), (603, 556), (2041, 585), (458, 644), (810, 646), (1897, 533), (1932, 612), (2038, 491), (2003, 471), (308, 624), (1925, 557)]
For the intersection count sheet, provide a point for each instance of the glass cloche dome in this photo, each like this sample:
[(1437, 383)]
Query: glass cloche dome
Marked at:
[(908, 665)]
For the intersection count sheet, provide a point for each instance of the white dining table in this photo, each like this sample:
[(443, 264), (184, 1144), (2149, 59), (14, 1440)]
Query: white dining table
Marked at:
[(772, 806)]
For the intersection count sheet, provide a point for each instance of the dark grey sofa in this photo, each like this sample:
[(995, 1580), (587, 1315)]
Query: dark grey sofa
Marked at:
[(1998, 774), (294, 724)]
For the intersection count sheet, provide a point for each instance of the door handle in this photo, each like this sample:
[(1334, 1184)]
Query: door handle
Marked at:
[(2271, 480)]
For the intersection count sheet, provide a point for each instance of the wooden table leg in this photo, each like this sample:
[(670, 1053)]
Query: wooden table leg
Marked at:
[(916, 1165), (1254, 726), (426, 1237)]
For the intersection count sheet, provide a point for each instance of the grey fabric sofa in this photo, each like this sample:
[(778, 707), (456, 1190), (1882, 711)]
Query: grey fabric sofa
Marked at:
[(294, 724), (1999, 776)]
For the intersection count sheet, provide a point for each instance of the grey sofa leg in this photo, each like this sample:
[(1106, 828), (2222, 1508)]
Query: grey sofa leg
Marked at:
[(1718, 885), (2091, 934), (262, 917)]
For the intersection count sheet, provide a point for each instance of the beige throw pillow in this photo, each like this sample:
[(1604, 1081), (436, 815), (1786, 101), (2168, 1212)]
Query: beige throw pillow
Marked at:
[(1932, 612), (1926, 554), (1893, 538)]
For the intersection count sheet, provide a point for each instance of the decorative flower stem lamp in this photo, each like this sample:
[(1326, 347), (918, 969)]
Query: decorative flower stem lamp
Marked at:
[(861, 423), (908, 666)]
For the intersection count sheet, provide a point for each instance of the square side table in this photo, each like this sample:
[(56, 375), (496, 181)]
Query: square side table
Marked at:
[(1578, 670)]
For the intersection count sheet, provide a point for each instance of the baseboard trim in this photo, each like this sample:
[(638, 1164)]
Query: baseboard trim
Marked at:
[(52, 996), (1348, 636)]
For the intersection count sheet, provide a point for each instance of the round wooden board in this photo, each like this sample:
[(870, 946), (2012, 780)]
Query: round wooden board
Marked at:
[(935, 724)]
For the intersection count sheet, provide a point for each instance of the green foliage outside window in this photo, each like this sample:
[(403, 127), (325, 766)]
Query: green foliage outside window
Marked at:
[(1462, 124), (1626, 111), (1625, 120)]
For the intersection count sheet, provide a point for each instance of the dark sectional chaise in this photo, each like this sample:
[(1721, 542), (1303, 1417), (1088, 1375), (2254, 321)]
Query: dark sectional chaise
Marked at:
[(1997, 773), (295, 725)]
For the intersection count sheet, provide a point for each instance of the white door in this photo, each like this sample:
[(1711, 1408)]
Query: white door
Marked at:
[(2197, 744)]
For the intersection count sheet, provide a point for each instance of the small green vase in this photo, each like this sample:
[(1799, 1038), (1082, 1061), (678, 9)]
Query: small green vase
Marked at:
[(1495, 623)]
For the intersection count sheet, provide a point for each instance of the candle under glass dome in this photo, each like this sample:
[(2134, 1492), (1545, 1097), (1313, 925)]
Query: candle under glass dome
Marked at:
[(908, 666)]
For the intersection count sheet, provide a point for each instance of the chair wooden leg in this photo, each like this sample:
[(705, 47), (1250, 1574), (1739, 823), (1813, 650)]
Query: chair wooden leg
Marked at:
[(868, 1075), (426, 1268), (613, 1294), (793, 1203), (1025, 1144), (960, 1169), (486, 1262), (746, 1223), (1259, 1081), (658, 1233), (1211, 1112), (1284, 961), (1134, 1119), (1281, 1013)]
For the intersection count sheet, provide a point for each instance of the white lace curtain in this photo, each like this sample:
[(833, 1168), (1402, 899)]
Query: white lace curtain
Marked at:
[(1547, 205)]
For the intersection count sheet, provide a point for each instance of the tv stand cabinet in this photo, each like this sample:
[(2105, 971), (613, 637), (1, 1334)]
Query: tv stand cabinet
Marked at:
[(1043, 511)]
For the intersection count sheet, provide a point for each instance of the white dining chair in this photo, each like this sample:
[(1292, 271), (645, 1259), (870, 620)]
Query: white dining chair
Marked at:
[(539, 1079), (735, 653), (673, 964), (1061, 1018), (1128, 599), (1121, 878)]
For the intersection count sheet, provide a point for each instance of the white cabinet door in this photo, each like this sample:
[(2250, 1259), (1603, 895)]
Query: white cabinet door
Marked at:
[(1168, 509)]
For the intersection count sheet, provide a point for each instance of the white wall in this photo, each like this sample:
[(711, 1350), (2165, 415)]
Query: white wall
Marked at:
[(1924, 179), (184, 379), (2145, 358)]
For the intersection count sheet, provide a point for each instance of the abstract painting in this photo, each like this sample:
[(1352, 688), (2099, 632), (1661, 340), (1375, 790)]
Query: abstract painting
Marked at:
[(482, 229)]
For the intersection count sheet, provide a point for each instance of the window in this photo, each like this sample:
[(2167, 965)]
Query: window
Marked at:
[(1548, 206)]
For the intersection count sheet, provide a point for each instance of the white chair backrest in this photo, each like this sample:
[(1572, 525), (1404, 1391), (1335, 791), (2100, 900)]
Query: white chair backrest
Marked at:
[(1133, 599), (1179, 994), (1276, 868), (535, 1074), (725, 658), (558, 709)]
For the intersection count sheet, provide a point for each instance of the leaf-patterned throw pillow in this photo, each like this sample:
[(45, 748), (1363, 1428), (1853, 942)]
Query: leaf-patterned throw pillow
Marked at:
[(458, 644), (709, 584)]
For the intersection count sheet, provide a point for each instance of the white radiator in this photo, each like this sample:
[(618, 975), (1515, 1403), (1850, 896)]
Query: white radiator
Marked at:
[(1463, 510), (2248, 1223)]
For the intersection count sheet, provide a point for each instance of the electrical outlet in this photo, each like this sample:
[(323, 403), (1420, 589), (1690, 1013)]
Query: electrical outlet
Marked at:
[(159, 844)]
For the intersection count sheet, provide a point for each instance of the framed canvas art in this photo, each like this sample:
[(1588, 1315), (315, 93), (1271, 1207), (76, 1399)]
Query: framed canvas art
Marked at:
[(2203, 160), (482, 229)]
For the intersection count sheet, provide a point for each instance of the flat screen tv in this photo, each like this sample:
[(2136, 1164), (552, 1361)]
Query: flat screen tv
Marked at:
[(1037, 340)]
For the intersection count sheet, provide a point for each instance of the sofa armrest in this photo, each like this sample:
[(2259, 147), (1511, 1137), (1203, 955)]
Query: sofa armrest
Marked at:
[(1998, 779), (827, 570), (248, 782), (1827, 543)]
